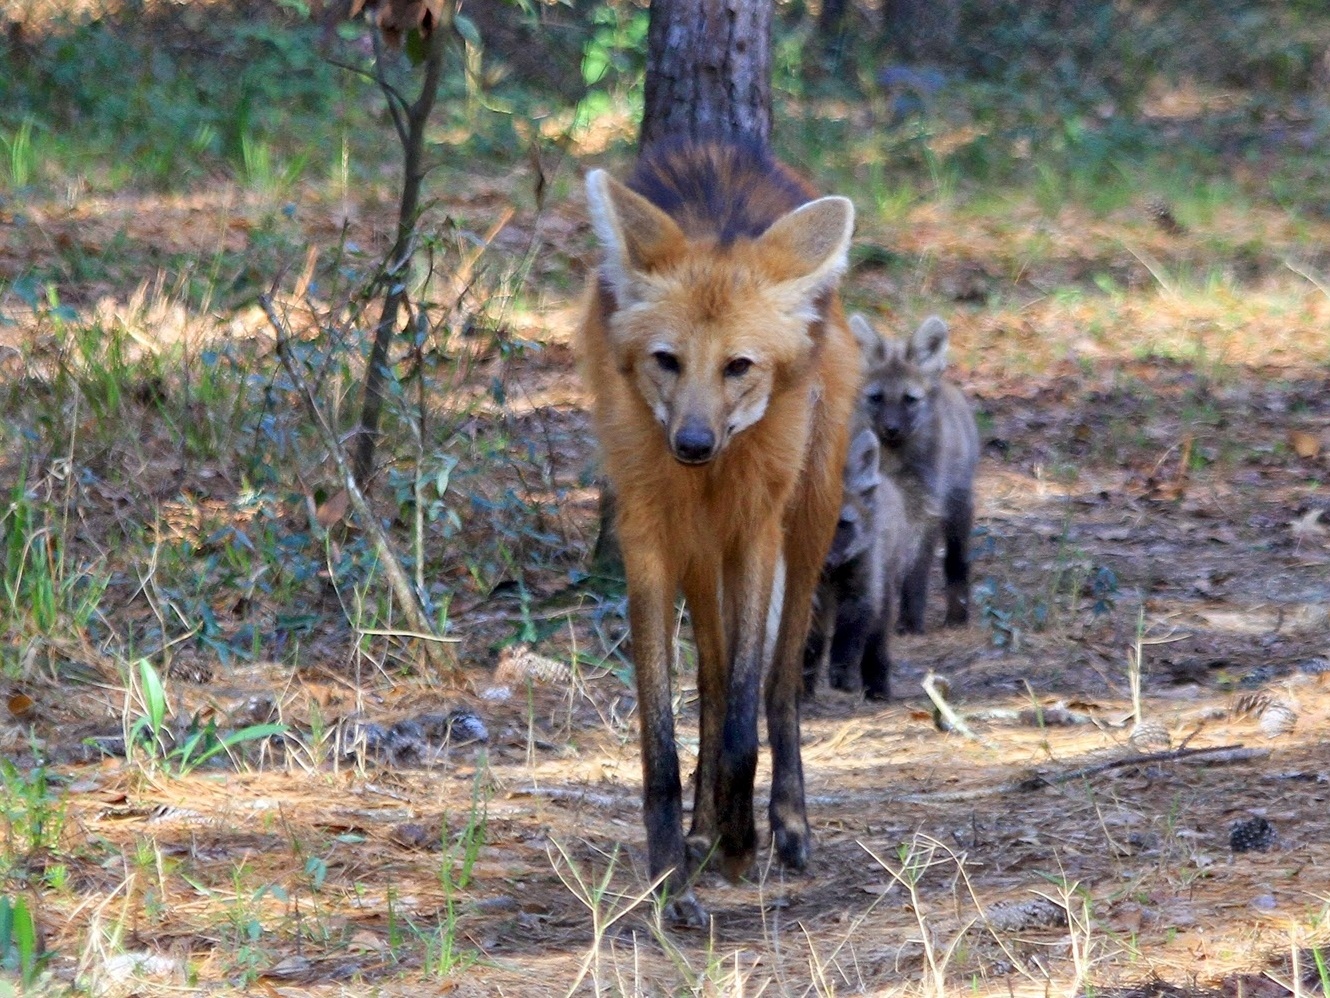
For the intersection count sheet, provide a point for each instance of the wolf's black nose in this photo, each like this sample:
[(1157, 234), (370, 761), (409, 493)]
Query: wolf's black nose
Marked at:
[(694, 443)]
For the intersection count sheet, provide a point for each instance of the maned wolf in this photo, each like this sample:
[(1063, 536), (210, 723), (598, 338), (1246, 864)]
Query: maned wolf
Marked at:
[(724, 377), (930, 446)]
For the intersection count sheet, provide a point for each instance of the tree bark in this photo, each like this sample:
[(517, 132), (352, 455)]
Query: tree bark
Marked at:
[(708, 70)]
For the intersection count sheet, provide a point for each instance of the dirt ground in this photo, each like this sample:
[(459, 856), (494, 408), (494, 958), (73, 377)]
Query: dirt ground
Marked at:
[(1128, 506)]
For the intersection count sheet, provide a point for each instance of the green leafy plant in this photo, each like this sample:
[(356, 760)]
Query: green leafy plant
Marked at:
[(22, 160), (44, 595), (20, 951), (612, 61), (444, 956), (262, 171), (149, 728), (200, 742), (34, 816)]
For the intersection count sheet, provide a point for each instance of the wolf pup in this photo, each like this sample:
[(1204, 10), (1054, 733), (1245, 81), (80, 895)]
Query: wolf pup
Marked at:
[(854, 610), (724, 376), (930, 446), (849, 598)]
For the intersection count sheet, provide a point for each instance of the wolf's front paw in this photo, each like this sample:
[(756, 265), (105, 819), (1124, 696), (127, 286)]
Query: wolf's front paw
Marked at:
[(793, 845)]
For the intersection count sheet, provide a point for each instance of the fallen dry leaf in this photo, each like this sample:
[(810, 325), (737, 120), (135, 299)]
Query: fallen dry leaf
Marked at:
[(333, 510), (365, 941), (21, 706)]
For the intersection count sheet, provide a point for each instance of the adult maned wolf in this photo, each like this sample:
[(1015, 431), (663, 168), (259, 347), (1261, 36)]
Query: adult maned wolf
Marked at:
[(930, 447), (724, 376)]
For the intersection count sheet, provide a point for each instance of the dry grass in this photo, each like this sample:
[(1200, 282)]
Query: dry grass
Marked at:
[(915, 855), (1142, 428)]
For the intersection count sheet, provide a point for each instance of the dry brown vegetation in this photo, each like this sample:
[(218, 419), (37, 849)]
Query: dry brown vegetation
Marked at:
[(1155, 407), (1194, 483)]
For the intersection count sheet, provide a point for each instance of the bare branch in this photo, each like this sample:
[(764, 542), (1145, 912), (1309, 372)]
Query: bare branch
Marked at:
[(443, 664), (393, 96), (936, 687), (1037, 781)]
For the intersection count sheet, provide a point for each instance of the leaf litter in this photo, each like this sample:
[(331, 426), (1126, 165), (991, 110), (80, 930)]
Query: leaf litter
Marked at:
[(1184, 481)]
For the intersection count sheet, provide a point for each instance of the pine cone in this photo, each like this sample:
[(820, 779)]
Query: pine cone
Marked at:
[(1251, 704), (1277, 719), (518, 663), (1253, 834), (1021, 916), (1149, 736)]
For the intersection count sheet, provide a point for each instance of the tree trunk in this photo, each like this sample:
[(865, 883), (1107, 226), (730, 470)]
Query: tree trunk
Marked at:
[(708, 70), (708, 77)]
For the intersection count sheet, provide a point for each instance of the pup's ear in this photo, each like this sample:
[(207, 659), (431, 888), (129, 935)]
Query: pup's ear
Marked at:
[(928, 347), (870, 343), (863, 471)]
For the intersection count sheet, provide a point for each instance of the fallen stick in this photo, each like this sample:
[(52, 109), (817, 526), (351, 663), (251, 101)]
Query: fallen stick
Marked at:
[(935, 686)]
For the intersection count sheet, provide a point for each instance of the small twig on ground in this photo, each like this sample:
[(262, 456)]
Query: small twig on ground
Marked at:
[(932, 682), (420, 628), (1154, 267), (1220, 753), (572, 796)]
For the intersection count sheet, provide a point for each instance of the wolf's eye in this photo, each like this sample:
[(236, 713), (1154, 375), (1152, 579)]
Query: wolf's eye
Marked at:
[(668, 362), (912, 399), (738, 367), (875, 396)]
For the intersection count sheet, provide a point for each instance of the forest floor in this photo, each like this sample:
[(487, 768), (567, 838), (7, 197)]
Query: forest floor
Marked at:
[(1155, 411)]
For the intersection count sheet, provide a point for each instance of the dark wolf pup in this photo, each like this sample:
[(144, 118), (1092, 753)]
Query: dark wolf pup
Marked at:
[(929, 447), (855, 602), (724, 376), (858, 598)]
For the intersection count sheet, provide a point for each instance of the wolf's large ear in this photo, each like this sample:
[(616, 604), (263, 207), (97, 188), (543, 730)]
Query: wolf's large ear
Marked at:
[(635, 233), (870, 343), (928, 346), (807, 250), (863, 471)]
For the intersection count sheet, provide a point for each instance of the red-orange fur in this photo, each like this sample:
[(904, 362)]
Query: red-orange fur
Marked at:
[(717, 529)]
